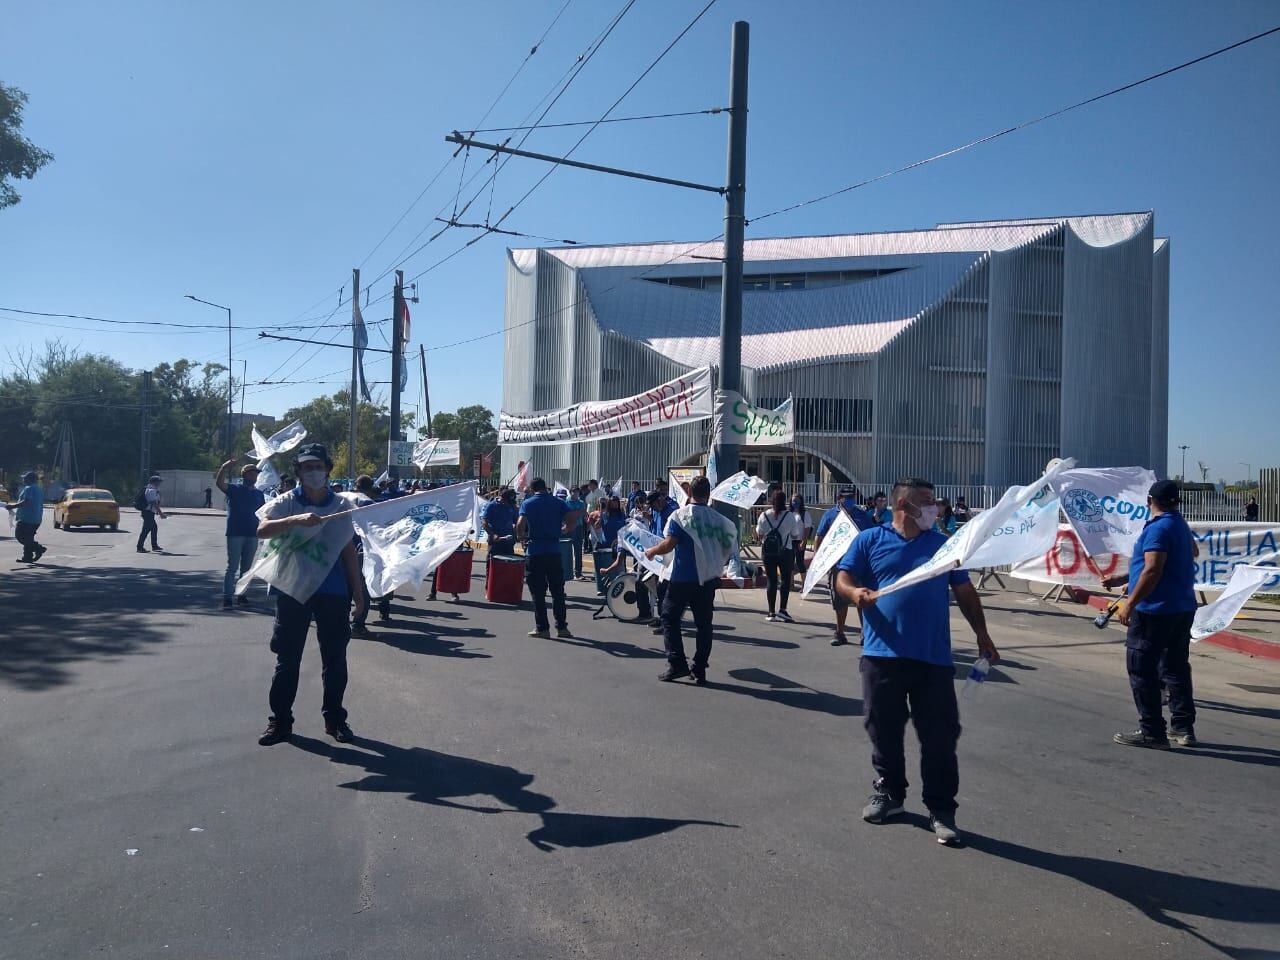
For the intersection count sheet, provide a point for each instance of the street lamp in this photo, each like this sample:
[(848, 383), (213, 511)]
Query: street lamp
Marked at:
[(230, 388), (1248, 469), (1183, 447)]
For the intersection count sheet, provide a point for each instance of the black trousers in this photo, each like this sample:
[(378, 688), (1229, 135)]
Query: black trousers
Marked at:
[(798, 549), (25, 534), (778, 574), (148, 527), (289, 636), (1156, 649), (894, 688), (700, 598), (542, 574)]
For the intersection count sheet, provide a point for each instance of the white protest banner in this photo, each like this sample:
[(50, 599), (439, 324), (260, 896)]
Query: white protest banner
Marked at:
[(1244, 583), (434, 452), (738, 421), (635, 540), (714, 536), (740, 490), (297, 561), (1107, 506), (685, 399), (677, 491), (834, 546), (408, 537), (268, 475), (400, 453), (1021, 525), (282, 441)]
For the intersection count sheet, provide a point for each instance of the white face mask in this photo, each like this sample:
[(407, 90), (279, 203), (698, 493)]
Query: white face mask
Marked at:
[(928, 517), (314, 479)]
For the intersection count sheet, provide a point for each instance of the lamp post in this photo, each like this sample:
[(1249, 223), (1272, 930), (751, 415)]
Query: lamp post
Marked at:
[(230, 379), (1183, 447), (1248, 471)]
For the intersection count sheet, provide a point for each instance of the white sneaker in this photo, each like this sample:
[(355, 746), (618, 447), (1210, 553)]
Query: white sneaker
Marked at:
[(771, 617)]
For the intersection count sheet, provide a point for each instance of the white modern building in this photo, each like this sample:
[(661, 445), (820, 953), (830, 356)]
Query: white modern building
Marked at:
[(970, 354)]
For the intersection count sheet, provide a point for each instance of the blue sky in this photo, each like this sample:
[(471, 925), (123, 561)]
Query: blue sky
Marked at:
[(252, 154)]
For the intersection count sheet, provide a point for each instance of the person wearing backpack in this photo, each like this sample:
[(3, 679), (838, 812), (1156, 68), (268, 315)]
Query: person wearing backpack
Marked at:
[(778, 528), (147, 503)]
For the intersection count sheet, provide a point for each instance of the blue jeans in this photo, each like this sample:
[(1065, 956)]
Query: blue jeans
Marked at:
[(240, 551)]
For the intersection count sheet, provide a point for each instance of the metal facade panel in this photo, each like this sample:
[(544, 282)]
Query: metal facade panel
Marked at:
[(1159, 423)]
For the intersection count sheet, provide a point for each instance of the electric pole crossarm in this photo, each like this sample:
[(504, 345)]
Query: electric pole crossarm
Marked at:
[(458, 138), (320, 343)]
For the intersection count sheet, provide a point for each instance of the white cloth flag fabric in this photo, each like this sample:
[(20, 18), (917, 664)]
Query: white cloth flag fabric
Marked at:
[(434, 452), (408, 537), (677, 491), (1022, 525), (635, 540), (740, 490), (297, 561), (1106, 506), (744, 423), (619, 492), (713, 473), (268, 475), (685, 399), (714, 536), (559, 488), (423, 450), (282, 441), (1213, 617), (477, 519), (834, 546), (520, 482)]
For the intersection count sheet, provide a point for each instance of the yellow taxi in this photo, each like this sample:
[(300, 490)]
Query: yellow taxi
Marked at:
[(86, 506)]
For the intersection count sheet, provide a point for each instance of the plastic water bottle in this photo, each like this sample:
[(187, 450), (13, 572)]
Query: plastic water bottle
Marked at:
[(977, 675)]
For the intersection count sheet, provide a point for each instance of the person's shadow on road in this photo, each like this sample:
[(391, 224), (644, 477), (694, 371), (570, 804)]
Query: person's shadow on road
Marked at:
[(442, 780)]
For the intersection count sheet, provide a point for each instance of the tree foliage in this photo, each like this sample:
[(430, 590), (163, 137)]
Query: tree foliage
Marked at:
[(20, 159), (473, 426)]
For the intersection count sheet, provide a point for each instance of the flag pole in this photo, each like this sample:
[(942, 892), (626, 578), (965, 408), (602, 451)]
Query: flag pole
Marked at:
[(354, 397)]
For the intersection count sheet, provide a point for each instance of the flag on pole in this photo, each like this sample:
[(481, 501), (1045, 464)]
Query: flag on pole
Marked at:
[(834, 546), (408, 537), (520, 482), (712, 476), (282, 441), (677, 491), (740, 490), (361, 341), (268, 476), (559, 489)]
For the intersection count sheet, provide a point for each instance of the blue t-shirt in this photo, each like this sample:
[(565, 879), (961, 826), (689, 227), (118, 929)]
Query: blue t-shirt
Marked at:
[(575, 504), (1175, 591), (610, 524), (914, 623), (500, 517), (33, 510), (544, 517), (658, 518), (861, 519), (684, 568), (632, 497), (242, 506)]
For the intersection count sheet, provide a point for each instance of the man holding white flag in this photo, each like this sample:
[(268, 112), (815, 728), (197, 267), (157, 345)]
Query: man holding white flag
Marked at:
[(310, 562), (907, 668)]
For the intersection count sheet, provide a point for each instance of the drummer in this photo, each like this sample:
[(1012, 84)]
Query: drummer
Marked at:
[(612, 520)]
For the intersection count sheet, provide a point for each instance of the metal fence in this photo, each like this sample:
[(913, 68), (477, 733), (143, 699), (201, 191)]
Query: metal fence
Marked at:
[(1211, 505)]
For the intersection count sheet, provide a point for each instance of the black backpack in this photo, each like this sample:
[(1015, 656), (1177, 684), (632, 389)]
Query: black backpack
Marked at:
[(140, 501), (771, 546)]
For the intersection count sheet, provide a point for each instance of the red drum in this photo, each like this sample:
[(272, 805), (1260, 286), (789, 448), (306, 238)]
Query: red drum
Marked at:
[(454, 575), (505, 582)]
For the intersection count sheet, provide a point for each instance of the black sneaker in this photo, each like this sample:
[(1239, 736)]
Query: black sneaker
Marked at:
[(839, 640), (275, 733), (41, 550), (142, 550), (339, 731), (943, 826), (881, 806), (226, 603), (673, 673), (1184, 738), (360, 631), (1139, 739), (242, 601), (699, 675), (564, 631), (655, 622)]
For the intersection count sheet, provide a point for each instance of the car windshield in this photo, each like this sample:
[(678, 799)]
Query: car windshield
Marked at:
[(90, 495)]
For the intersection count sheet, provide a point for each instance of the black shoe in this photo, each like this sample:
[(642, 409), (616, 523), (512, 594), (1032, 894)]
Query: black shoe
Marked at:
[(41, 550), (943, 826), (25, 560), (1184, 738), (699, 675), (226, 603), (360, 631), (339, 731), (673, 673), (431, 596), (1140, 739), (839, 640), (275, 733), (142, 550), (881, 806), (656, 622), (242, 601)]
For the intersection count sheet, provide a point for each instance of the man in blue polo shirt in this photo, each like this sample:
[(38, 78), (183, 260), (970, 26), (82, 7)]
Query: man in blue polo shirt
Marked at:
[(28, 512), (846, 502), (499, 522), (544, 519), (1162, 604), (907, 670), (243, 501)]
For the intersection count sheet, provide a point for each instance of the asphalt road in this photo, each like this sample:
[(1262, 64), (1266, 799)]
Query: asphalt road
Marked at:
[(512, 797)]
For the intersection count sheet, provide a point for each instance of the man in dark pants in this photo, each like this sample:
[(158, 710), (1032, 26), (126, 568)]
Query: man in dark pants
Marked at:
[(151, 509), (307, 506), (907, 669), (544, 519), (1162, 604), (703, 541), (28, 512)]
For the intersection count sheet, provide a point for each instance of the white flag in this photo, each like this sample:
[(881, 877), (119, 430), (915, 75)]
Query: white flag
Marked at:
[(834, 546), (619, 492), (1245, 581), (1107, 506), (740, 490), (282, 441), (477, 519), (714, 536), (677, 491), (559, 488), (520, 482), (268, 476), (635, 540), (423, 451), (408, 537), (297, 561), (712, 474)]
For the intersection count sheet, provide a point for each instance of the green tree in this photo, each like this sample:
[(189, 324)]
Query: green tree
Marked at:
[(328, 421), (20, 159)]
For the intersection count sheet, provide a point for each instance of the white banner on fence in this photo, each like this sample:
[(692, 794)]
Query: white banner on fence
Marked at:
[(434, 452), (1106, 505), (408, 537), (1245, 581), (685, 399), (740, 490), (834, 546), (635, 540), (1224, 545), (740, 422)]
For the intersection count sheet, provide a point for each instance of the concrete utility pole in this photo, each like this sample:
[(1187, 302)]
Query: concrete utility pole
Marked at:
[(735, 204), (426, 390), (397, 360), (352, 468), (144, 440)]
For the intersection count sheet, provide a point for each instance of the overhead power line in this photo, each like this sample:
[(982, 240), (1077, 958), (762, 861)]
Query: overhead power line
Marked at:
[(169, 323), (1015, 128), (585, 123)]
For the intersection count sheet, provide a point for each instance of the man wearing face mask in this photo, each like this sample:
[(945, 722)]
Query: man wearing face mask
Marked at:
[(328, 606), (907, 669), (846, 501)]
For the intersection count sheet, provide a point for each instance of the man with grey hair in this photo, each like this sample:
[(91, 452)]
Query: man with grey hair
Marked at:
[(907, 669)]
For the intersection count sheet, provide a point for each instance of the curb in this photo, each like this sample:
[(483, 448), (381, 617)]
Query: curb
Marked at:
[(1226, 639)]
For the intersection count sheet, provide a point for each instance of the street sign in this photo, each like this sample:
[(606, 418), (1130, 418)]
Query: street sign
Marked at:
[(400, 453)]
